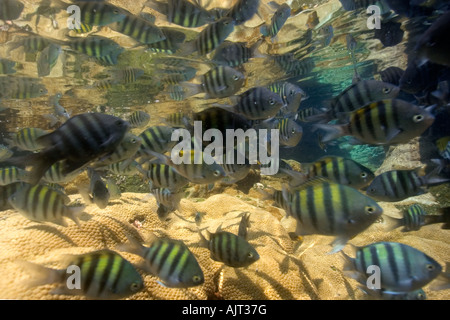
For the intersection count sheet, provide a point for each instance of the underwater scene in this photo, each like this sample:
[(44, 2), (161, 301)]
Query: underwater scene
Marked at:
[(224, 150)]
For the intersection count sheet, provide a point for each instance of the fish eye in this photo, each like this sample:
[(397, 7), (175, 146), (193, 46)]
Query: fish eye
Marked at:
[(196, 279), (135, 286), (386, 90), (133, 140), (216, 173), (94, 10), (370, 209), (293, 130), (363, 175), (430, 267), (236, 78), (119, 123), (116, 11), (250, 255), (271, 101), (418, 118)]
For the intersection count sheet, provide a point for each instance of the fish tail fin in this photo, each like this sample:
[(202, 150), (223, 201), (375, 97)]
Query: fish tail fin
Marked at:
[(74, 214), (132, 246), (191, 89), (332, 131), (40, 275), (392, 223)]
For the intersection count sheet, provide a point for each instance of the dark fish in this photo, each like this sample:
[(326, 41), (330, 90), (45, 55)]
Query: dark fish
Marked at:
[(392, 75), (6, 192), (47, 59), (169, 260), (396, 185), (390, 34), (97, 192), (328, 208), (243, 10), (80, 140), (434, 45), (104, 275), (10, 9), (234, 54), (422, 77), (232, 250), (218, 118), (182, 12), (291, 94), (384, 122), (43, 204), (402, 268)]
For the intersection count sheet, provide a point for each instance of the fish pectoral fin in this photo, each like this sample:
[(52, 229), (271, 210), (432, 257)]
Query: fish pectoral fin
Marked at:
[(338, 244), (392, 134)]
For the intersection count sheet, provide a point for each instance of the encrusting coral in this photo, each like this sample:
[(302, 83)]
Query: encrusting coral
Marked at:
[(287, 269)]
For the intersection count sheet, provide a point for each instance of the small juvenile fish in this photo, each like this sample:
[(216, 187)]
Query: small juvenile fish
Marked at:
[(232, 250), (96, 192), (384, 122), (43, 204), (416, 217), (139, 119), (169, 260), (402, 267), (104, 275), (397, 185)]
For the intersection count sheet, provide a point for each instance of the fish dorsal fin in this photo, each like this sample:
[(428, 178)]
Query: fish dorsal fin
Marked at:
[(312, 182)]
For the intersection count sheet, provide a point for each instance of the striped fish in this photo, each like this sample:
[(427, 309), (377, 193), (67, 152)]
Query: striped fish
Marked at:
[(54, 174), (27, 139), (233, 54), (31, 44), (401, 268), (234, 171), (291, 65), (43, 204), (356, 96), (101, 48), (176, 92), (213, 35), (139, 119), (243, 10), (305, 114), (10, 9), (392, 75), (9, 175), (6, 192), (413, 219), (104, 274), (126, 149), (230, 249), (167, 200), (384, 122), (123, 168), (80, 140), (290, 132), (83, 28), (219, 82), (170, 45), (397, 185), (181, 12), (98, 13), (291, 94), (21, 88), (221, 119), (139, 29), (177, 120), (257, 103), (169, 260), (327, 208), (175, 76), (443, 146), (5, 152), (164, 176), (337, 169), (279, 18), (157, 139)]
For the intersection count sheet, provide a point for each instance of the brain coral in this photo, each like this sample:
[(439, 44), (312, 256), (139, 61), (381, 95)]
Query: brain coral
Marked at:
[(287, 269)]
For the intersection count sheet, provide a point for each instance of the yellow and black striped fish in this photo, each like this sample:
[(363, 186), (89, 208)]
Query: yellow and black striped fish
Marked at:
[(139, 29), (10, 9), (402, 268), (164, 176), (170, 260), (99, 13), (383, 122), (157, 139), (21, 88), (43, 204), (328, 208), (102, 274), (9, 175), (279, 18), (27, 139)]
